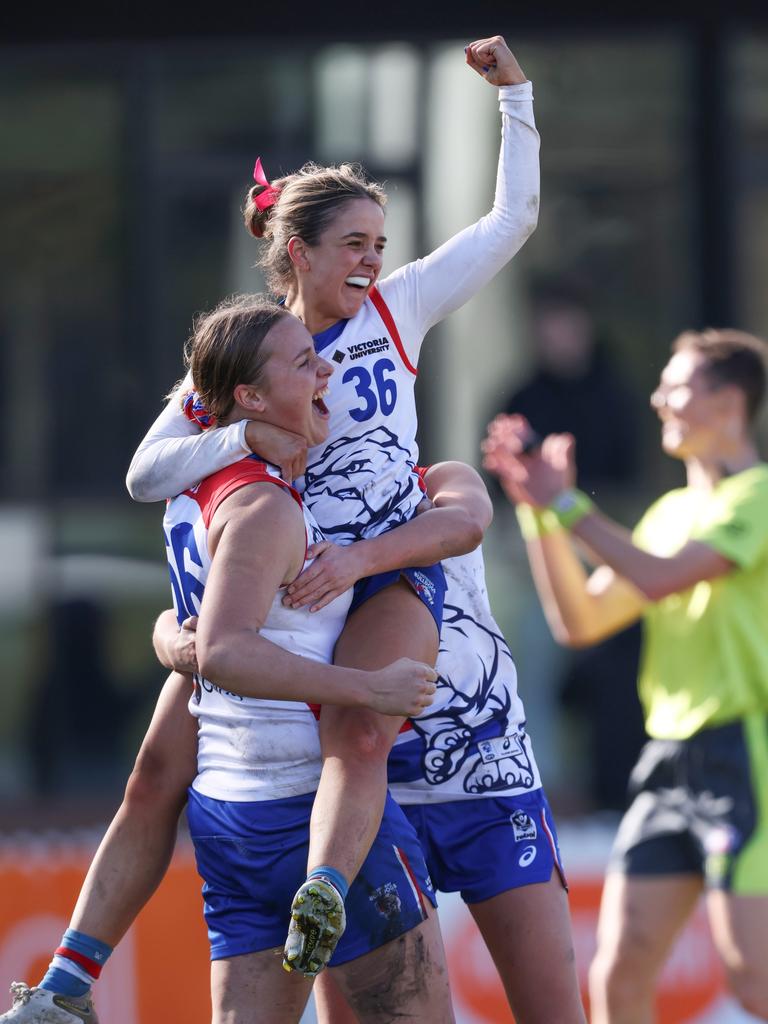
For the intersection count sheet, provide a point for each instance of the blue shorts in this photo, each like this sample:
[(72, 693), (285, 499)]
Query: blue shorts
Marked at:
[(427, 582), (252, 857), (483, 847)]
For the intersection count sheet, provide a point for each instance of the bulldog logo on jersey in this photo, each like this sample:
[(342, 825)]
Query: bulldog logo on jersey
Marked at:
[(471, 651), (339, 483)]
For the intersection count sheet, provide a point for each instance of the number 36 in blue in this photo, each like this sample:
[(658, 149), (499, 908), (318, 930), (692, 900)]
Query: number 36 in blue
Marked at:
[(377, 392)]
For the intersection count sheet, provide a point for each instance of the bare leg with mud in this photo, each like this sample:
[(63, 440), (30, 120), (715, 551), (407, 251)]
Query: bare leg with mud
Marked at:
[(405, 980), (528, 933), (349, 803)]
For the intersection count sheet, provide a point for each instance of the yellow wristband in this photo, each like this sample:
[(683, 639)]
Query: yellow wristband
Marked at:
[(570, 507), (536, 522)]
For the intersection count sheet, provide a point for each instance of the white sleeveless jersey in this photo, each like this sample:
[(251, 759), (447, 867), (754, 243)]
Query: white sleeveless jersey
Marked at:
[(361, 481), (472, 741), (249, 749)]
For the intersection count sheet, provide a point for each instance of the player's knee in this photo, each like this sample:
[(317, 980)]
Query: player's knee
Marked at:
[(359, 738), (749, 984), (369, 744)]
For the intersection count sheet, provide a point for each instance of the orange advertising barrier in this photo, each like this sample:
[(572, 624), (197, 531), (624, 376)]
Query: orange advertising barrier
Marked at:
[(692, 984), (160, 973)]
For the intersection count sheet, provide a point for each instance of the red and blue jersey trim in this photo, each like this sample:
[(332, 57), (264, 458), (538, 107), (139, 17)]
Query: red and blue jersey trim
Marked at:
[(218, 486), (389, 322)]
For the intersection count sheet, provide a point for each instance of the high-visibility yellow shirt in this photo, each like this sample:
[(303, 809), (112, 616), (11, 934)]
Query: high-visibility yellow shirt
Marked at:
[(705, 655)]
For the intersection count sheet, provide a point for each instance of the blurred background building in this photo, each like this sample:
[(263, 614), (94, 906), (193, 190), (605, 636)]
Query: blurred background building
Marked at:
[(126, 153)]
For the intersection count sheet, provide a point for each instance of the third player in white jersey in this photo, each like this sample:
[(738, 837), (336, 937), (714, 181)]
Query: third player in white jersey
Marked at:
[(472, 742)]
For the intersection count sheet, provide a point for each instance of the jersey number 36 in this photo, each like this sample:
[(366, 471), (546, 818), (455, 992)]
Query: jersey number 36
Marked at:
[(376, 391)]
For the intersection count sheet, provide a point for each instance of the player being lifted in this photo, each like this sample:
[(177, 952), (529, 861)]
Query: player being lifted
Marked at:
[(323, 237), (323, 230)]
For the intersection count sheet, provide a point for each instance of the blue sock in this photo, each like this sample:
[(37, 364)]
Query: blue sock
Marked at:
[(76, 964), (333, 876)]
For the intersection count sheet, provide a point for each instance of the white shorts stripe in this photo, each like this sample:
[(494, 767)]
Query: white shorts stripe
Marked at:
[(403, 860), (553, 844)]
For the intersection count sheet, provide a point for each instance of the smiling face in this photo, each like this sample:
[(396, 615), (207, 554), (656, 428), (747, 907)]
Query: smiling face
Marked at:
[(335, 276), (295, 382), (693, 412)]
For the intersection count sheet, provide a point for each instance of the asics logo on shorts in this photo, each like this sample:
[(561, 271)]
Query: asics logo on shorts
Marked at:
[(527, 857)]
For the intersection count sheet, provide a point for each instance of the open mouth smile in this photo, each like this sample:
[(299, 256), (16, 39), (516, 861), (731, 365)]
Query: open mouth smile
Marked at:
[(358, 281), (318, 405)]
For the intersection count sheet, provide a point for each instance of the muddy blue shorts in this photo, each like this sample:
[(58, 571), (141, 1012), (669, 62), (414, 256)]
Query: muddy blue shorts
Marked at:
[(252, 857)]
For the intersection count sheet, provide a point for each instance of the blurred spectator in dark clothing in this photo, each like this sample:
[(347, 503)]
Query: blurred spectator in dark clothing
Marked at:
[(596, 685), (576, 388), (78, 716)]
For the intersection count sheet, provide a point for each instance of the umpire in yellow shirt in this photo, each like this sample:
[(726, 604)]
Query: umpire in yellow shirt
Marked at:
[(696, 571)]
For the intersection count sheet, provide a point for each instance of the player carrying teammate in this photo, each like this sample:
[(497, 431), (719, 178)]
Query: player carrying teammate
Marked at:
[(323, 233), (135, 851)]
